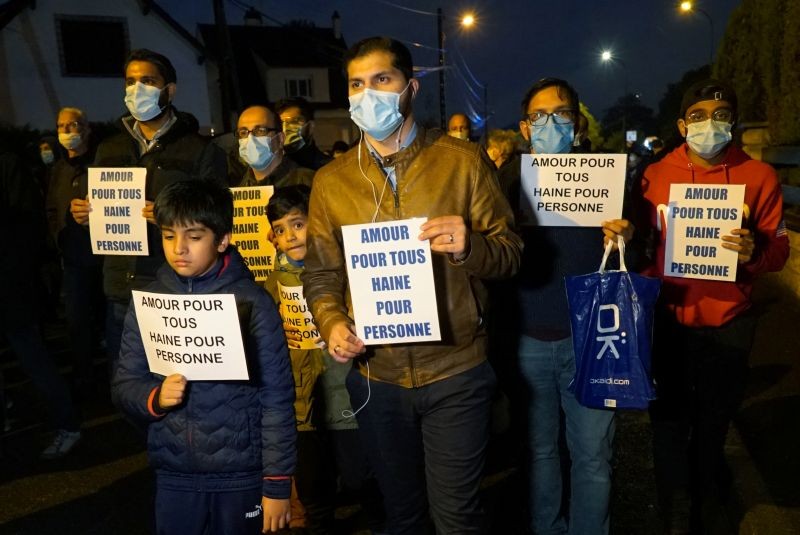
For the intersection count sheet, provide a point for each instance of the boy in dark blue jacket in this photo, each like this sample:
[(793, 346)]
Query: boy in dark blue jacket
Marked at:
[(223, 451)]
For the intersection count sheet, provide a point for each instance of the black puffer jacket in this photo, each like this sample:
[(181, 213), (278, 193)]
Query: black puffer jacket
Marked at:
[(180, 154), (226, 433)]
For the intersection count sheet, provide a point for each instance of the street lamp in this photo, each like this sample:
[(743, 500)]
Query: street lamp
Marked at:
[(467, 21), (607, 56), (688, 7)]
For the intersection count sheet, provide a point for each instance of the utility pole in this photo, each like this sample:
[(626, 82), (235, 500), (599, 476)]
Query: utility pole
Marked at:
[(442, 111), (231, 98)]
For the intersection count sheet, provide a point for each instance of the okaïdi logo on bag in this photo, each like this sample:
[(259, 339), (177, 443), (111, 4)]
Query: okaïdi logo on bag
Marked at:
[(607, 323)]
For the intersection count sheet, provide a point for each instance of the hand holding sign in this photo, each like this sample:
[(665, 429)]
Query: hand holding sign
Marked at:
[(343, 344), (80, 208), (172, 391), (147, 212), (742, 242), (447, 234)]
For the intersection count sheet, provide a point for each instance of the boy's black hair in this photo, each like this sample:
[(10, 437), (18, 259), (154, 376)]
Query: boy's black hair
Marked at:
[(162, 63), (196, 201), (286, 199), (401, 56), (562, 87), (306, 110)]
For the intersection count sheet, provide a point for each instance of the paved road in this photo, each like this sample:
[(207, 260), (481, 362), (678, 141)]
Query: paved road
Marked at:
[(106, 487)]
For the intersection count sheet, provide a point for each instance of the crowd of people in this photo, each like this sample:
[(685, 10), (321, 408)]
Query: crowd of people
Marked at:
[(404, 426)]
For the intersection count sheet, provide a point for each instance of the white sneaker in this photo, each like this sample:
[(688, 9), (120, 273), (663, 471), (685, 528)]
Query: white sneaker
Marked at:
[(62, 444)]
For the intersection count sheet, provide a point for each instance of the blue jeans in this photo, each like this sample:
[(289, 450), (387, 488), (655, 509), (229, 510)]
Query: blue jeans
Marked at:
[(427, 446), (547, 369)]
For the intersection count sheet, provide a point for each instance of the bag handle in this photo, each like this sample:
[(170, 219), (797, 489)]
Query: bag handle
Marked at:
[(607, 253)]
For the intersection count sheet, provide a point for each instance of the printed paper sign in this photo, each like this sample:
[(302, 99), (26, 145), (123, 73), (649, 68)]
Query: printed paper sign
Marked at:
[(296, 315), (697, 218), (571, 190), (194, 335), (116, 225), (251, 229), (391, 282)]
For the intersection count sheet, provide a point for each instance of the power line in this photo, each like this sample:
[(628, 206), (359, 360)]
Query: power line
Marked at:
[(404, 8)]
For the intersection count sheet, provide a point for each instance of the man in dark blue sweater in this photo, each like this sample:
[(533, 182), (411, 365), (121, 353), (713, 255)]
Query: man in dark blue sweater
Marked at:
[(550, 122)]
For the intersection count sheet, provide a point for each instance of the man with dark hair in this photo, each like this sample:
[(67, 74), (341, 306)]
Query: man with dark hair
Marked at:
[(297, 116), (536, 313), (163, 140), (261, 148), (424, 416), (704, 329)]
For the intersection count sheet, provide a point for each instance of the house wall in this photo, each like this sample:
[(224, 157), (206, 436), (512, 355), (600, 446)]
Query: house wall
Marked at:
[(32, 89), (275, 78)]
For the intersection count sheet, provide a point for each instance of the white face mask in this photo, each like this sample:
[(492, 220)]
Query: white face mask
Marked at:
[(708, 138), (70, 141), (143, 101), (377, 112), (459, 134), (256, 151)]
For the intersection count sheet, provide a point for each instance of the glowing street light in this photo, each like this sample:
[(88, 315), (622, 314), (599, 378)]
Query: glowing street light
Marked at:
[(606, 55), (688, 7), (468, 20)]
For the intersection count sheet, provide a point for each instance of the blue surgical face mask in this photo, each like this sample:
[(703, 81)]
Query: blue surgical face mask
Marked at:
[(552, 138), (47, 157), (377, 112), (71, 140), (143, 101), (256, 151), (708, 138)]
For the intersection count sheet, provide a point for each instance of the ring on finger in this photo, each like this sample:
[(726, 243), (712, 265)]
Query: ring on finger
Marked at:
[(336, 349), (452, 239)]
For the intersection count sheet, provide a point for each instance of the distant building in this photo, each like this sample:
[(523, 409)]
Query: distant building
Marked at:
[(275, 62), (56, 53)]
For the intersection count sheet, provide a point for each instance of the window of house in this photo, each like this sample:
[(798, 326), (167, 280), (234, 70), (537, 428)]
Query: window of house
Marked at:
[(92, 46), (298, 87)]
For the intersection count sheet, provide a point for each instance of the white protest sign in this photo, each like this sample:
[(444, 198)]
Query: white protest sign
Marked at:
[(697, 218), (195, 335), (251, 228), (391, 282), (571, 190), (296, 315), (116, 225)]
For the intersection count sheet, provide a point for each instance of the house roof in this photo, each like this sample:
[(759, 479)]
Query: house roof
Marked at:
[(12, 8), (293, 45)]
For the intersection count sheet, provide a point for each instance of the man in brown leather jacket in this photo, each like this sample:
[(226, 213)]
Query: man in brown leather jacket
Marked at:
[(424, 416)]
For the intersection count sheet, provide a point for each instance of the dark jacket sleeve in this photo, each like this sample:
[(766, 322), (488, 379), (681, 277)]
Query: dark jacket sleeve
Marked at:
[(134, 389), (212, 165), (276, 393)]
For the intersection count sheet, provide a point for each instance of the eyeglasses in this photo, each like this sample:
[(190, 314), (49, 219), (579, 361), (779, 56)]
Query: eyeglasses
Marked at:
[(258, 131), (722, 115), (539, 118), (296, 121)]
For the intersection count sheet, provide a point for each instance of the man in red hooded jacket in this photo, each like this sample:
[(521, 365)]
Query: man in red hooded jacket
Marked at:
[(704, 328)]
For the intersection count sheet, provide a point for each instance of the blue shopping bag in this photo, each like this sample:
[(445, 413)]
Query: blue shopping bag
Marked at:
[(612, 330)]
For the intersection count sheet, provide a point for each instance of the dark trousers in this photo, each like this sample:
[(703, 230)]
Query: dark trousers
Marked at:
[(84, 304), (115, 324), (28, 346), (357, 476), (427, 446), (700, 375), (315, 479), (190, 512)]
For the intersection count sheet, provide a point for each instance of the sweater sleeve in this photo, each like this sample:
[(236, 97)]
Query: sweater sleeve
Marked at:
[(771, 239), (276, 394)]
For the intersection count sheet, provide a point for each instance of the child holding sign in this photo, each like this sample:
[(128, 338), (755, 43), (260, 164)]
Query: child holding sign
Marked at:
[(321, 397), (223, 451)]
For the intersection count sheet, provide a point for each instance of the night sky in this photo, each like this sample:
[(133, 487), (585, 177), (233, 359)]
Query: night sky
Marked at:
[(516, 42)]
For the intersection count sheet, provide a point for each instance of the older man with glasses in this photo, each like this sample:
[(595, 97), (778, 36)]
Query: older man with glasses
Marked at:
[(261, 138)]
